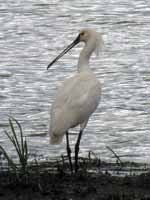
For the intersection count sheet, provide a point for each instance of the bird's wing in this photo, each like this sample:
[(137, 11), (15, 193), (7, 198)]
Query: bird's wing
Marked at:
[(63, 92), (78, 93), (85, 92)]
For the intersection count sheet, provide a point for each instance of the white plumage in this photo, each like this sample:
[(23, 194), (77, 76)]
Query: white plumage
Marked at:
[(75, 101), (78, 97)]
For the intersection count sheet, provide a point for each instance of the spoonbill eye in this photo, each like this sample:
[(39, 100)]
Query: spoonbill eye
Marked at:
[(82, 33)]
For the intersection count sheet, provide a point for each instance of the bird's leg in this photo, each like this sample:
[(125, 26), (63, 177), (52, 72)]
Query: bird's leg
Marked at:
[(69, 152), (77, 150)]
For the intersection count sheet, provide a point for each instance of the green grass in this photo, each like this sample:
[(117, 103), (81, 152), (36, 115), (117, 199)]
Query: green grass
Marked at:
[(20, 144)]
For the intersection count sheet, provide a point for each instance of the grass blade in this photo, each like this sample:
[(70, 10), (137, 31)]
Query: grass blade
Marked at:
[(20, 145), (8, 158), (15, 139), (21, 134), (117, 157)]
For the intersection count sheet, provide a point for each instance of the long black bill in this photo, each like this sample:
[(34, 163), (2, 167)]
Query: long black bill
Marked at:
[(76, 41)]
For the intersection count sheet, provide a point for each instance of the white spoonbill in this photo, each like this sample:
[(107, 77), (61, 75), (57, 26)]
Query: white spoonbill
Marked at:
[(78, 97)]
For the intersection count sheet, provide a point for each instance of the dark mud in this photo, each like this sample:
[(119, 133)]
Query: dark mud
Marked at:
[(61, 185)]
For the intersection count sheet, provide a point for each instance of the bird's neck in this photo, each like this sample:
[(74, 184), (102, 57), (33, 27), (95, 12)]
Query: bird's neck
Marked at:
[(83, 63)]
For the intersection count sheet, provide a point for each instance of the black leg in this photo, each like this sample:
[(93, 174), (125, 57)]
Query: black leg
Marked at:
[(69, 152), (77, 151)]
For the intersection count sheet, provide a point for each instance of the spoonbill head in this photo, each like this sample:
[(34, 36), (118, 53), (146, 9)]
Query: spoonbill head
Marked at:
[(88, 36)]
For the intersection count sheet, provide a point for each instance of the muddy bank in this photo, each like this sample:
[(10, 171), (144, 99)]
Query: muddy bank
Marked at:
[(63, 186)]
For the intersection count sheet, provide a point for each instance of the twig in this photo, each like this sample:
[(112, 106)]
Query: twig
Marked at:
[(117, 157)]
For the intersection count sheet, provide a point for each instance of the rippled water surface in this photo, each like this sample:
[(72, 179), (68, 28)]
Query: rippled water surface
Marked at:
[(33, 32)]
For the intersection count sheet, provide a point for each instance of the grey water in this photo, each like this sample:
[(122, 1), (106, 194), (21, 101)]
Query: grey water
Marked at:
[(33, 32)]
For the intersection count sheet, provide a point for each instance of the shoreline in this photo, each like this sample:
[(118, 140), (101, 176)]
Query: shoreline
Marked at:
[(53, 181)]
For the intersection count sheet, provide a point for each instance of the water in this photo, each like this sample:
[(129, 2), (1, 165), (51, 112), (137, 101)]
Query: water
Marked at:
[(32, 34)]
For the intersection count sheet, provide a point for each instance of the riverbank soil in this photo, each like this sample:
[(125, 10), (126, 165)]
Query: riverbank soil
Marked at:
[(63, 186)]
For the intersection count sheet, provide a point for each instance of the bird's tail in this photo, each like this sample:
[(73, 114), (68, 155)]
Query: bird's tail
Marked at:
[(55, 138)]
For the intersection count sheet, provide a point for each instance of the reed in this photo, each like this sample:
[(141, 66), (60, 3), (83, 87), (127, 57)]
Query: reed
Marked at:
[(20, 144)]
